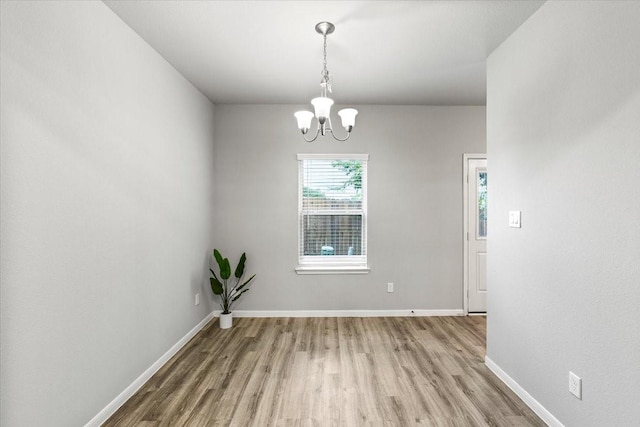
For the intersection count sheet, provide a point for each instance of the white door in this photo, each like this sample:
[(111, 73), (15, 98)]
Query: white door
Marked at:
[(476, 235)]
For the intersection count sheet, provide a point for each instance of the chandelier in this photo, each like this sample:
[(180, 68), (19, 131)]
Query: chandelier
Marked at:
[(322, 104)]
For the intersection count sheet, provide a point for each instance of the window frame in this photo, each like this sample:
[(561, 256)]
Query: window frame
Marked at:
[(335, 264)]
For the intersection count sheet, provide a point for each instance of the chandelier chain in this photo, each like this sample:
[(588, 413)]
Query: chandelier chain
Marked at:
[(325, 83)]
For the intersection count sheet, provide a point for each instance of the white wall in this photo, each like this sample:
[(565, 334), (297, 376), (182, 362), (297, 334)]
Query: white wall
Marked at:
[(415, 205), (106, 209), (563, 128)]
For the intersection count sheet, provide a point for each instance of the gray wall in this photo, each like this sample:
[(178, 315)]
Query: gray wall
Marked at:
[(415, 205), (106, 209), (563, 127)]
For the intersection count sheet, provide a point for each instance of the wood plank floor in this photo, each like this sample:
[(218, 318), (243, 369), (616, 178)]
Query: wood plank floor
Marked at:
[(330, 372)]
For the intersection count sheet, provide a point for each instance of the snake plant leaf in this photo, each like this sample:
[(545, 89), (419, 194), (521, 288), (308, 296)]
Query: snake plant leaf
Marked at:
[(239, 288), (225, 269), (221, 264), (238, 296), (240, 267), (217, 256), (213, 273), (216, 286)]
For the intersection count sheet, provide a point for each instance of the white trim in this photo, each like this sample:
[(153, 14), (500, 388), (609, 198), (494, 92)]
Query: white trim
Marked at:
[(324, 156), (116, 403), (344, 313), (532, 403), (332, 270), (465, 227)]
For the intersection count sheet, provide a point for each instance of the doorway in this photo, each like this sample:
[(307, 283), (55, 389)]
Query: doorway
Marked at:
[(475, 180)]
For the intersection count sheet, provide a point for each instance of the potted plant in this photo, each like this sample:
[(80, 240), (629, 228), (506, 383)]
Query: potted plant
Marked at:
[(228, 292)]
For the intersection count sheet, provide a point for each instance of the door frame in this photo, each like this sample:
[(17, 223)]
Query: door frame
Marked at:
[(465, 227)]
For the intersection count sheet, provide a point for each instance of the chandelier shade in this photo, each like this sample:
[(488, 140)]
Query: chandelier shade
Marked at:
[(304, 120), (348, 116), (322, 104)]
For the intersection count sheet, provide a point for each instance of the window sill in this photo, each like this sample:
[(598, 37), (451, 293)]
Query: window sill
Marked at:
[(302, 269)]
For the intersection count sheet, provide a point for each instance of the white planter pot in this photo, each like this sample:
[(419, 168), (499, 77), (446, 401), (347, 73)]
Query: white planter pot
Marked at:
[(226, 321)]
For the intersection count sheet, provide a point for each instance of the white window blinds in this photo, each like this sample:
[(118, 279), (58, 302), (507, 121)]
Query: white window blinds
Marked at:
[(332, 209)]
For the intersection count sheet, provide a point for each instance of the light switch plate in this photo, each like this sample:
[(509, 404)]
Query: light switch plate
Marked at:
[(514, 219)]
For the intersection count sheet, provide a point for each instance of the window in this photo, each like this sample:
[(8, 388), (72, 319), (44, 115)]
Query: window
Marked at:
[(332, 213), (482, 204)]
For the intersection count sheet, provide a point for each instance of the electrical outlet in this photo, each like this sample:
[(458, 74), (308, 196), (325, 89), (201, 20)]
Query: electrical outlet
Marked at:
[(389, 287), (575, 385), (198, 299)]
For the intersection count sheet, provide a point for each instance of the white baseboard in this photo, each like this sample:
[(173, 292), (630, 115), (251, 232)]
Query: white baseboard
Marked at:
[(532, 403), (343, 313), (112, 407)]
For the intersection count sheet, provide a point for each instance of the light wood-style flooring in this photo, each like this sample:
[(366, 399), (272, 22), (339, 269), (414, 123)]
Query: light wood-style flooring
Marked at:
[(395, 371)]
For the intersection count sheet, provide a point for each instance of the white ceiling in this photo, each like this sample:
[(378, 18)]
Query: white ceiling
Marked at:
[(382, 52)]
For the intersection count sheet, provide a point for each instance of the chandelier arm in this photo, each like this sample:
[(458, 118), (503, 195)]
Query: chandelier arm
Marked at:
[(314, 138), (339, 139), (330, 129)]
